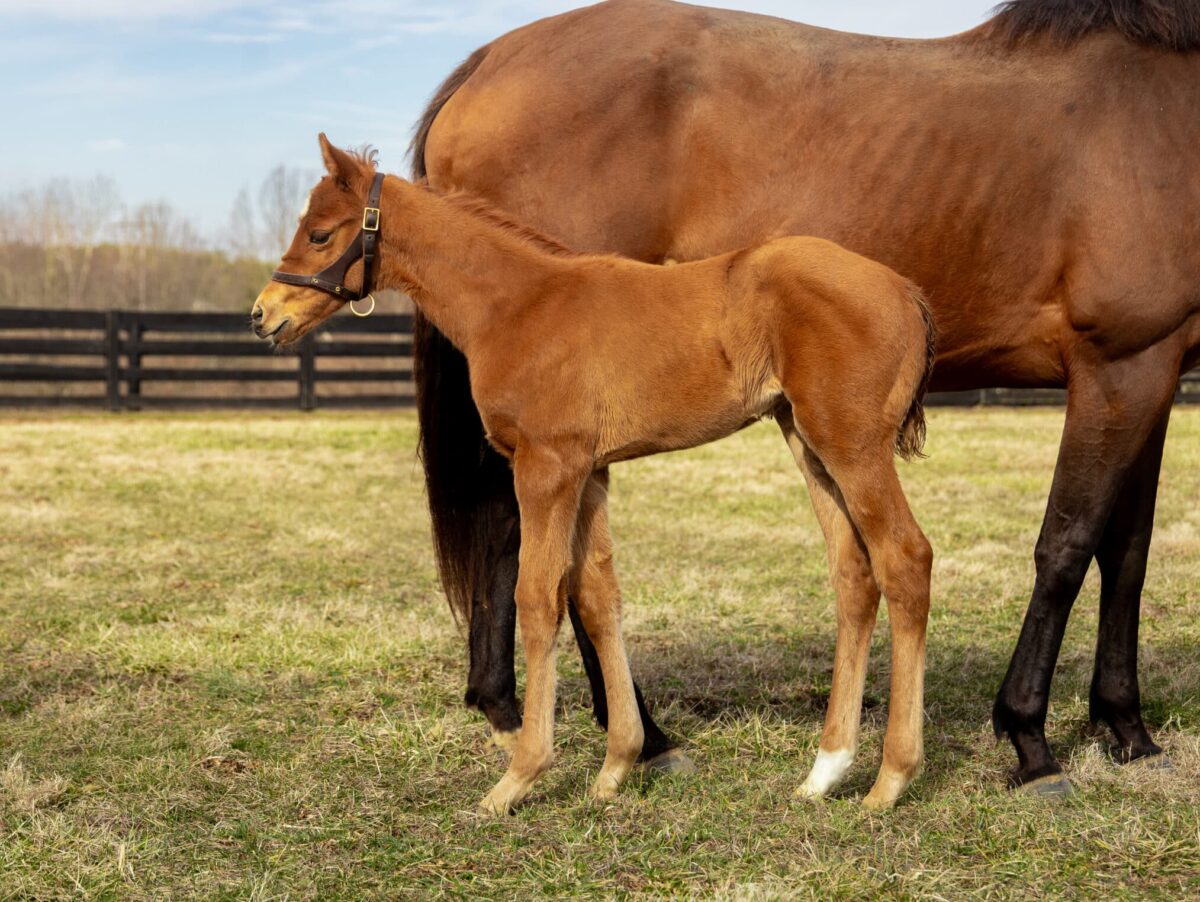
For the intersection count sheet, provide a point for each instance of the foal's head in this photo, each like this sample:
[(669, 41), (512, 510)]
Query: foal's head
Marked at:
[(330, 222)]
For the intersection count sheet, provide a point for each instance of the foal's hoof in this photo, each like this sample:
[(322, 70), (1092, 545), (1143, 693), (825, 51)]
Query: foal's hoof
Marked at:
[(503, 798), (672, 761), (1054, 786), (604, 789), (889, 786), (881, 802)]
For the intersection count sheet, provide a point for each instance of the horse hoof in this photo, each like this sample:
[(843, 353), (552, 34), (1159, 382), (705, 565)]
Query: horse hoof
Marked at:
[(1160, 763), (604, 790), (808, 793), (1054, 786), (493, 806), (672, 761), (505, 740), (504, 797), (878, 803)]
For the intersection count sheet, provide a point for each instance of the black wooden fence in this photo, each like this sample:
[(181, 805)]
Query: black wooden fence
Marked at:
[(130, 360), (116, 358)]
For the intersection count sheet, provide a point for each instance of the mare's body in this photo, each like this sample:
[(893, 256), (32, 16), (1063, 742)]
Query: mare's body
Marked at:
[(1039, 177)]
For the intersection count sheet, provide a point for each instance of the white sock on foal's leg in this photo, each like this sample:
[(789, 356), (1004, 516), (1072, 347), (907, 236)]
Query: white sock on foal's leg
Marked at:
[(828, 771)]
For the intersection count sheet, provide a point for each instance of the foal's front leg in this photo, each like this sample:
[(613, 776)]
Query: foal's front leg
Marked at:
[(548, 491)]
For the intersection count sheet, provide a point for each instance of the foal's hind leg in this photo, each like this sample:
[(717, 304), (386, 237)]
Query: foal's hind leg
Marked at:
[(857, 603), (594, 586), (901, 561)]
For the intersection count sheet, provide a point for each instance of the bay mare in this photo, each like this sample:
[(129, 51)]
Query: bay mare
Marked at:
[(581, 361), (1038, 176)]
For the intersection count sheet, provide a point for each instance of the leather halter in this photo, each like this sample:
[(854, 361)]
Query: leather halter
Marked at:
[(332, 279)]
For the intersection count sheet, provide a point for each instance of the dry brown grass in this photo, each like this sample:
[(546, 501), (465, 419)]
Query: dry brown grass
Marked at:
[(228, 673)]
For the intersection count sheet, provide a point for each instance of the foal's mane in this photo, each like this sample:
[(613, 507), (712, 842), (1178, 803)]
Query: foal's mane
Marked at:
[(1166, 24), (367, 155), (476, 206)]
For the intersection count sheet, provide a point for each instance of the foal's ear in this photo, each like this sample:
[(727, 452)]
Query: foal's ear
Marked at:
[(339, 164)]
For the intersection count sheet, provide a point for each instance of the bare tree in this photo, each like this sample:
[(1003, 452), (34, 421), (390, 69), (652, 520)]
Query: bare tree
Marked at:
[(71, 244), (280, 199), (68, 219), (242, 236), (92, 205)]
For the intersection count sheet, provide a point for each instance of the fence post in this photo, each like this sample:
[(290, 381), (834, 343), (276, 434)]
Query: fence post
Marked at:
[(308, 373), (133, 385), (112, 358)]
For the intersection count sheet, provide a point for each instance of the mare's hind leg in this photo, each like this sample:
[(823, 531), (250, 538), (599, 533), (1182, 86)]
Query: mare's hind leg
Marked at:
[(901, 560), (857, 603), (1113, 409), (660, 753), (594, 586), (492, 681), (1115, 697)]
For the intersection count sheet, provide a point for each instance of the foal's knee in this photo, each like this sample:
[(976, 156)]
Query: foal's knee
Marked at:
[(540, 613)]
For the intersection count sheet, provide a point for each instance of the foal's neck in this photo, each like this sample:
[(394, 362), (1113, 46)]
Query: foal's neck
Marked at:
[(462, 268)]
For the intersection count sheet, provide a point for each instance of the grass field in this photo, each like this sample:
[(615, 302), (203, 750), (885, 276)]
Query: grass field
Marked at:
[(226, 672)]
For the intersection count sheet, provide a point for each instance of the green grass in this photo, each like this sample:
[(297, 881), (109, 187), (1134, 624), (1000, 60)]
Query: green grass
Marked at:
[(226, 671)]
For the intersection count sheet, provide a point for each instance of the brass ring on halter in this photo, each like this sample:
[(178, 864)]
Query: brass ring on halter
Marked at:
[(370, 298)]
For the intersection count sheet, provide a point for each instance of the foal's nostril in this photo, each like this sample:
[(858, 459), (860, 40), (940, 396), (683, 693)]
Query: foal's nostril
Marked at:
[(256, 314)]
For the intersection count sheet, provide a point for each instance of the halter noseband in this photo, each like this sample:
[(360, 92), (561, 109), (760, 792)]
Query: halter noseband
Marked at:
[(332, 279)]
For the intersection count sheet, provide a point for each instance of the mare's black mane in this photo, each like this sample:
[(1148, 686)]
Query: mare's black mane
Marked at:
[(1167, 24)]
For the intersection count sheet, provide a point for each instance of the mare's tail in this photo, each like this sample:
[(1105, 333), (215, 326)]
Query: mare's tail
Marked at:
[(910, 440), (471, 499)]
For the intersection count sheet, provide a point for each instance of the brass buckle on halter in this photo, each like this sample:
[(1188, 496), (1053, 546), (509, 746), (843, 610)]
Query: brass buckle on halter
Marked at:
[(371, 219)]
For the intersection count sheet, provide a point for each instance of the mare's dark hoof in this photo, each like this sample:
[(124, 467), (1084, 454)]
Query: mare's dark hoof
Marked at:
[(1055, 786), (672, 761), (1160, 763)]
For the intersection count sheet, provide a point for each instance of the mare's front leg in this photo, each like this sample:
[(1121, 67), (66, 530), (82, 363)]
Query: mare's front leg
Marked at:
[(594, 586), (1113, 409), (549, 484)]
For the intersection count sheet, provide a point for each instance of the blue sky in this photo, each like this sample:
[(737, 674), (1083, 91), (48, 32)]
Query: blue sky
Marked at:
[(189, 100)]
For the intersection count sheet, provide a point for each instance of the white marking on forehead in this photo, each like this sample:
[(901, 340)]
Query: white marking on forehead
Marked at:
[(307, 204)]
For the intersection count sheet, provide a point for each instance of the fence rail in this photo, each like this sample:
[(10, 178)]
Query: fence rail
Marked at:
[(122, 353)]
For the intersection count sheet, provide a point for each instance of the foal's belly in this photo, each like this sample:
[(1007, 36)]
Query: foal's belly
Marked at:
[(675, 423)]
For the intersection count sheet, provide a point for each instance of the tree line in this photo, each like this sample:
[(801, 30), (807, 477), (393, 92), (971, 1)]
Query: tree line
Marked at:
[(74, 244)]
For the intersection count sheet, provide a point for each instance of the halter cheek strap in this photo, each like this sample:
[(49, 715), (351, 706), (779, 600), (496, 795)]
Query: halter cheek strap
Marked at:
[(332, 279)]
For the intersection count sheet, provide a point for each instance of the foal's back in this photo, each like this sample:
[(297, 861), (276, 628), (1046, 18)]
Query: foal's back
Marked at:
[(635, 359)]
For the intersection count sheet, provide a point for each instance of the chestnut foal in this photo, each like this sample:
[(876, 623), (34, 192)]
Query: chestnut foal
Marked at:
[(579, 361)]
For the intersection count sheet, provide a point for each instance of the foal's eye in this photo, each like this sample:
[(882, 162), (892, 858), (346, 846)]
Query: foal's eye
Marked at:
[(318, 237)]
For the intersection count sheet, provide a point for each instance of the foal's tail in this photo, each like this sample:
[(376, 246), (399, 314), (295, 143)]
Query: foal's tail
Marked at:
[(910, 440)]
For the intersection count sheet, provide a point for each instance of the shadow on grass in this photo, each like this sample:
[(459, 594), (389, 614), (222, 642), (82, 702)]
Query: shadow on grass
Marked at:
[(711, 678)]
